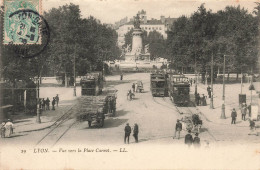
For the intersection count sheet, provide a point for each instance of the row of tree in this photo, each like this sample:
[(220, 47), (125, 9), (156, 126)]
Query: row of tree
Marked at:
[(232, 32), (87, 42)]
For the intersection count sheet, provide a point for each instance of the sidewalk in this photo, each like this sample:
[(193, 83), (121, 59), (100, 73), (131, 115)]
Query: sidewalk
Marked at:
[(231, 101), (24, 123)]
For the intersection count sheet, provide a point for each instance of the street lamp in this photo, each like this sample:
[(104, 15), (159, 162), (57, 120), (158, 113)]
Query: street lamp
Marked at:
[(195, 75), (223, 116), (211, 99), (38, 119), (74, 90)]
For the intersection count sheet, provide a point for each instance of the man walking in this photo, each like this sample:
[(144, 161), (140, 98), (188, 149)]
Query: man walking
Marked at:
[(136, 131), (57, 99), (127, 132), (188, 139), (233, 116), (178, 129)]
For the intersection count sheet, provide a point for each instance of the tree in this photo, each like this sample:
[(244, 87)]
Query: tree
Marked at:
[(89, 41)]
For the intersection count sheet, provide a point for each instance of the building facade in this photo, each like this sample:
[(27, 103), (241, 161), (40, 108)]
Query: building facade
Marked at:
[(161, 26)]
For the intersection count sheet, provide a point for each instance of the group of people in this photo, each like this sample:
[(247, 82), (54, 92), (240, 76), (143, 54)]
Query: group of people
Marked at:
[(7, 129), (130, 93), (128, 131), (189, 140), (135, 87), (45, 104), (200, 100), (244, 110)]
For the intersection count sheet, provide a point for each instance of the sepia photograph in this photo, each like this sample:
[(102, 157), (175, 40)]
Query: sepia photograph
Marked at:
[(130, 84)]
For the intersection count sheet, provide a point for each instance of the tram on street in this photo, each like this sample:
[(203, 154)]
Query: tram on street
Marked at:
[(179, 89), (158, 84)]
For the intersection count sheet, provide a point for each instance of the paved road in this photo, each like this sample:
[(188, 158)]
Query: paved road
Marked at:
[(156, 118)]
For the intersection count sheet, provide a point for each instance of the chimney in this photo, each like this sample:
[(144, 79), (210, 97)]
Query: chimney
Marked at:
[(163, 19), (145, 19)]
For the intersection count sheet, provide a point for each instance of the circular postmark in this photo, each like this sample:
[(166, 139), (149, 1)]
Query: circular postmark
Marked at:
[(28, 32)]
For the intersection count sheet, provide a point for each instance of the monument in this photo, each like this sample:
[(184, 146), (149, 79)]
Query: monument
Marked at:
[(137, 53)]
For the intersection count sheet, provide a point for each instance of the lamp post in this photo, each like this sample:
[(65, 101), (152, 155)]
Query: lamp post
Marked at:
[(223, 116), (211, 99), (195, 75), (38, 119), (74, 70)]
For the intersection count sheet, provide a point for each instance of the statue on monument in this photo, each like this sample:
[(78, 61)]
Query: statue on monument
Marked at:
[(137, 22)]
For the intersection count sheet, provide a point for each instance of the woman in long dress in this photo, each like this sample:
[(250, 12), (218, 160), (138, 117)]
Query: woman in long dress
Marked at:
[(8, 128)]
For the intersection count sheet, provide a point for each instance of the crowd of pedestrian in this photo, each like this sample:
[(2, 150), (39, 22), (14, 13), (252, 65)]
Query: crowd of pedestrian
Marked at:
[(44, 104), (7, 129), (200, 100), (189, 140)]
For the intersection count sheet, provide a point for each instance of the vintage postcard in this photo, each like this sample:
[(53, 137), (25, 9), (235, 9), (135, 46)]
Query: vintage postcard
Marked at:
[(129, 84)]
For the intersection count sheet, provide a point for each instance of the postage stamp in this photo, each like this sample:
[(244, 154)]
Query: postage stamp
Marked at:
[(21, 22)]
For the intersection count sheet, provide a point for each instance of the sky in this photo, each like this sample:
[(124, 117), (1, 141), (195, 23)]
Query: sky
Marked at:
[(110, 11)]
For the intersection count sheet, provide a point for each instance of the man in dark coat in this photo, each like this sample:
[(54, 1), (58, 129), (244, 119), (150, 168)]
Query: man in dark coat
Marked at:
[(133, 87), (127, 132), (233, 116), (47, 101), (57, 99), (178, 128), (189, 139), (53, 103), (209, 91), (136, 131), (196, 141)]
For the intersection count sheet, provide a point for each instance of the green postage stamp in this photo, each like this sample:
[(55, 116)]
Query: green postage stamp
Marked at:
[(22, 22)]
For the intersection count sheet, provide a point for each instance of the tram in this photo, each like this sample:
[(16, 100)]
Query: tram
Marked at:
[(179, 89), (158, 84)]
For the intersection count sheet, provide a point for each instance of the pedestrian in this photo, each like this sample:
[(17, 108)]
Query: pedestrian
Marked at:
[(204, 102), (233, 116), (209, 91), (57, 99), (43, 104), (178, 129), (47, 101), (121, 76), (136, 87), (196, 141), (53, 103), (243, 111), (8, 128), (133, 87), (191, 82), (127, 132), (188, 139), (3, 130), (197, 96), (136, 131)]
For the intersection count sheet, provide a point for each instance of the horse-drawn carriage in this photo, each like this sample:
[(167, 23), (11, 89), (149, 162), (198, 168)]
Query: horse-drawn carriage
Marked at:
[(192, 122)]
